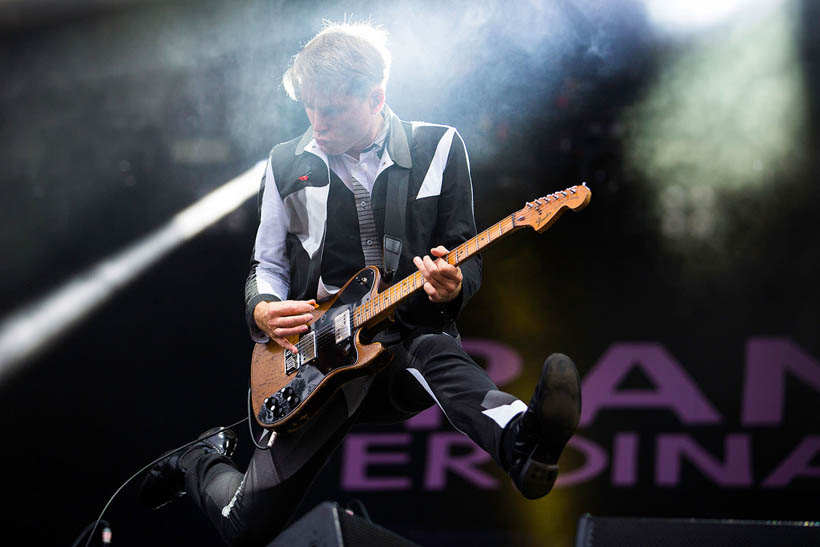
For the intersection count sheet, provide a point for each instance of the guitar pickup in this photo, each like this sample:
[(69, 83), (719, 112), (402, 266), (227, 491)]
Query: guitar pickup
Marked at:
[(307, 353), (291, 362), (341, 326)]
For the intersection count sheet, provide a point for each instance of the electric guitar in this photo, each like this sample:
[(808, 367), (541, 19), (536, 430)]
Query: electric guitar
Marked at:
[(288, 388)]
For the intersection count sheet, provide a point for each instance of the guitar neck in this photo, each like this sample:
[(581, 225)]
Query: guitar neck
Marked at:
[(377, 309)]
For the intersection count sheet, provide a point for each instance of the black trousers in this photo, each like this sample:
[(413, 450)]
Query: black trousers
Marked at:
[(252, 508)]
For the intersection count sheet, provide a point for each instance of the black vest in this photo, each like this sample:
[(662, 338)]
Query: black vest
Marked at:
[(309, 190)]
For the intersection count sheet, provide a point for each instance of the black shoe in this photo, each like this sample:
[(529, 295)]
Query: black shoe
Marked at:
[(534, 439), (165, 481)]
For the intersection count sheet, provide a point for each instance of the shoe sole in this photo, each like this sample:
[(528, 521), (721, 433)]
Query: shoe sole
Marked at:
[(559, 414), (537, 478)]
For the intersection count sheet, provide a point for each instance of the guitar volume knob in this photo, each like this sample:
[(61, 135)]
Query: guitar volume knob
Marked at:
[(274, 407)]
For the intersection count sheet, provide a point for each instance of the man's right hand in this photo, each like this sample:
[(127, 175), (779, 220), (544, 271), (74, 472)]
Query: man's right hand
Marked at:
[(283, 319)]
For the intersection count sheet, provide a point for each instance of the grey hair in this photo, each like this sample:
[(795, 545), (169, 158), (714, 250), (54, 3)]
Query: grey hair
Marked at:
[(343, 58)]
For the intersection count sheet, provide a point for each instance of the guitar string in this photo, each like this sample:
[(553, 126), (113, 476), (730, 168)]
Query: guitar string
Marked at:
[(369, 310), (389, 297)]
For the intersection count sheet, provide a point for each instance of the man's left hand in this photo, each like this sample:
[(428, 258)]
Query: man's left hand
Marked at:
[(442, 280)]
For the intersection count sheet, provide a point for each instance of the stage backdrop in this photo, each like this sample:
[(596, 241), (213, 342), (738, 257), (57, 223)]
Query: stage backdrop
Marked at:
[(686, 292)]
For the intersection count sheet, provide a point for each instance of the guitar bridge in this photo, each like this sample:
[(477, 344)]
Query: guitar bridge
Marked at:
[(307, 353)]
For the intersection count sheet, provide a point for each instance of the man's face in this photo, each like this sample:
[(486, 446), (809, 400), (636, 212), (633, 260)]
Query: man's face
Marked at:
[(340, 124)]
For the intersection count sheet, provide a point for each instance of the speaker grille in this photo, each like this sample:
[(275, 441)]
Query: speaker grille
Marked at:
[(358, 532), (627, 532)]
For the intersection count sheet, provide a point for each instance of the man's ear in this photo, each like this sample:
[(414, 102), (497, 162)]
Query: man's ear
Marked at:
[(376, 100)]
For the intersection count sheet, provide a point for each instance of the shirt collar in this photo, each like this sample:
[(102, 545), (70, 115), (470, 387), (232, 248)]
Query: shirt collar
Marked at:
[(378, 142)]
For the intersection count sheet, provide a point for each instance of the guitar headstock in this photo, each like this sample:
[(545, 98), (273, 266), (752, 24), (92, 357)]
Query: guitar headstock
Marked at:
[(542, 212)]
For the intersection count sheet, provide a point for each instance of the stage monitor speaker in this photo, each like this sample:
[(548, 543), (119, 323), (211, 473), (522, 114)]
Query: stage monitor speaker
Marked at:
[(329, 525), (651, 532)]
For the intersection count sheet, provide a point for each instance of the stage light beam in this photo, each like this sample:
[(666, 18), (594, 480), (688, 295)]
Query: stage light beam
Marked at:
[(26, 332)]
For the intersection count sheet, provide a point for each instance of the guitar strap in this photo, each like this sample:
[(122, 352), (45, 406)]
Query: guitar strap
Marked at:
[(394, 220), (394, 217)]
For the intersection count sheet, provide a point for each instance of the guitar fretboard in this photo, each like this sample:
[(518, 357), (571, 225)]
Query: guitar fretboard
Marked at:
[(385, 301)]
